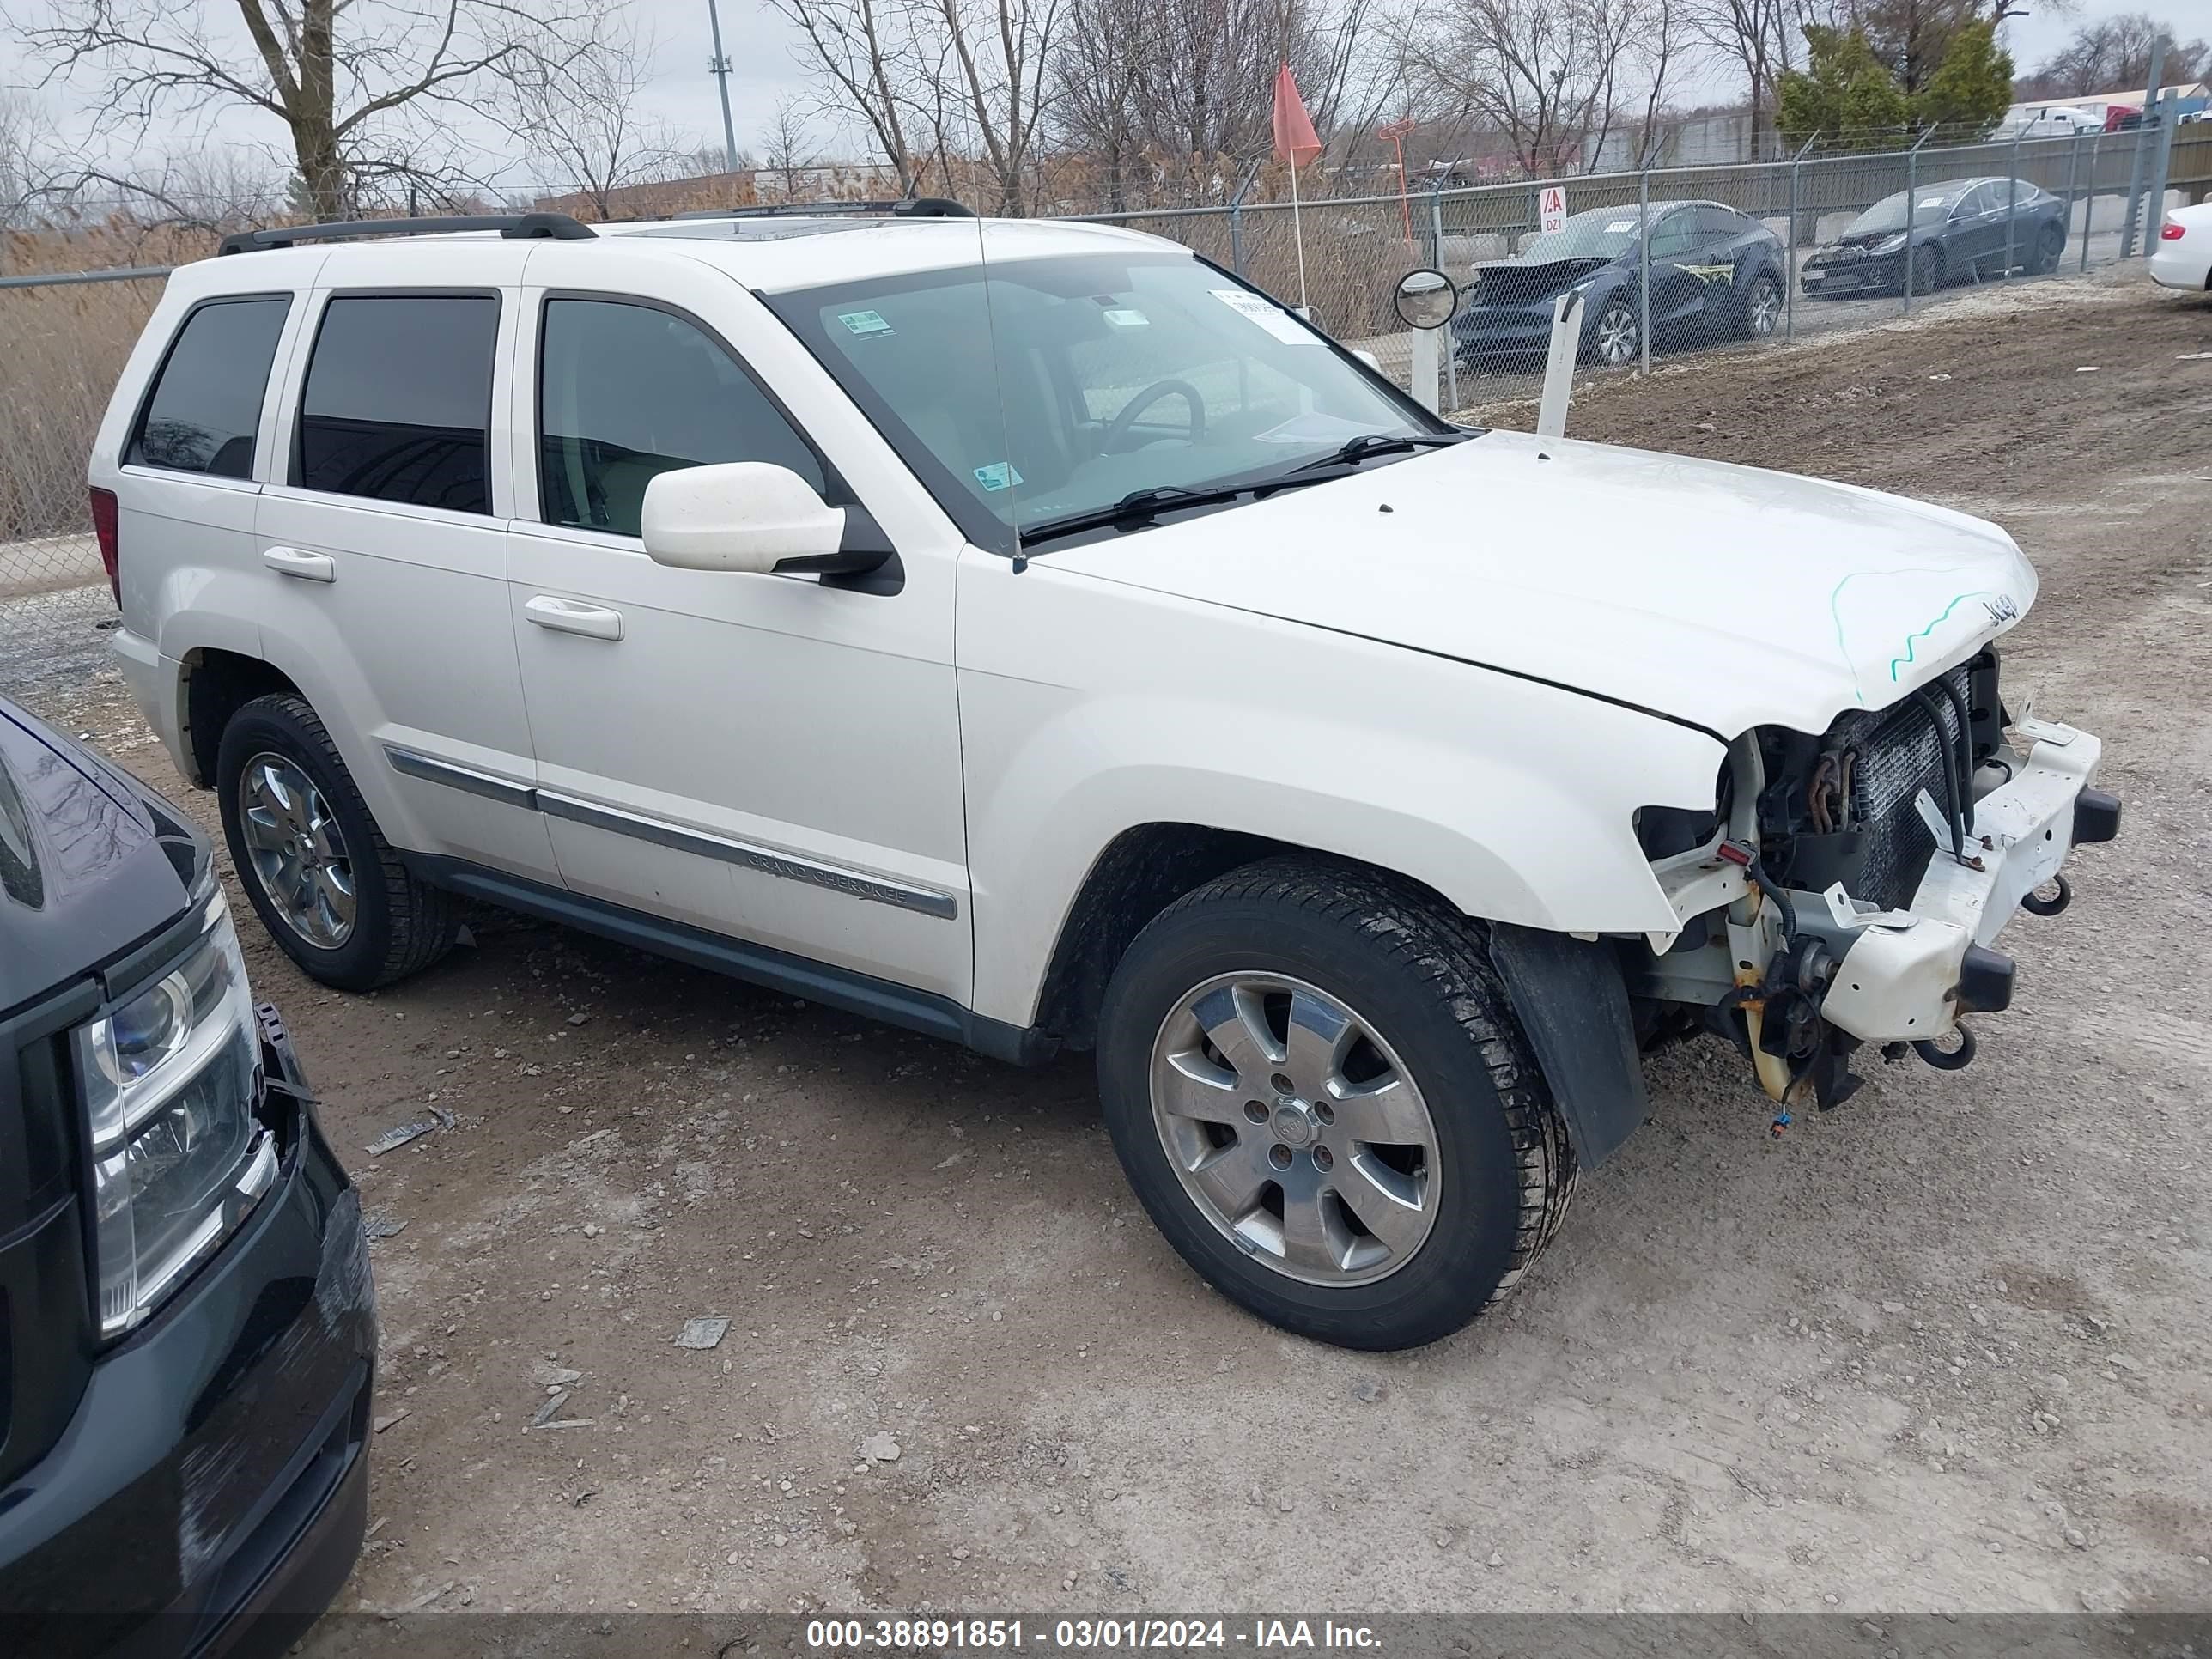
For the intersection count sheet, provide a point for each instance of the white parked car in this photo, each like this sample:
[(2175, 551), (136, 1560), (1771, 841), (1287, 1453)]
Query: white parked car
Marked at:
[(2181, 255), (1029, 634), (2057, 121)]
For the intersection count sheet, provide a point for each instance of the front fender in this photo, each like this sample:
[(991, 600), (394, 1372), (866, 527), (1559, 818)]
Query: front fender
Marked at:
[(1090, 708)]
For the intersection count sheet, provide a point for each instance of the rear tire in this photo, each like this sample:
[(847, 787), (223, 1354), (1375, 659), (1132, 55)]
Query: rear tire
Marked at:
[(1762, 308), (2050, 249), (1379, 1009), (326, 885)]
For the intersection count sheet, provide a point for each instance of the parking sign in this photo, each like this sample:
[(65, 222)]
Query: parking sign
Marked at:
[(1552, 208)]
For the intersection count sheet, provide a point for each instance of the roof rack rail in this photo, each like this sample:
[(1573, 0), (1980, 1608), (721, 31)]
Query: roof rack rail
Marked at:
[(909, 207), (559, 226)]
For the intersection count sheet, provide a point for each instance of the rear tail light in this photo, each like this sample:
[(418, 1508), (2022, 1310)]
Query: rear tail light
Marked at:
[(2170, 234), (103, 526)]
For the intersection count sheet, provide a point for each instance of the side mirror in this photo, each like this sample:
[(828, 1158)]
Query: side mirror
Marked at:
[(1367, 358), (740, 515)]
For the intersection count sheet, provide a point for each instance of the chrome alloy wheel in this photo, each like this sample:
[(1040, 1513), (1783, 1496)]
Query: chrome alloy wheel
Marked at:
[(297, 853), (1616, 335), (1764, 309), (1295, 1129)]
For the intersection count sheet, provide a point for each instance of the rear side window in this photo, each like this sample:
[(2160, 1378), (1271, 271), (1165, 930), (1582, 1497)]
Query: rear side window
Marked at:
[(398, 401), (206, 401), (628, 391), (1720, 223), (1677, 233)]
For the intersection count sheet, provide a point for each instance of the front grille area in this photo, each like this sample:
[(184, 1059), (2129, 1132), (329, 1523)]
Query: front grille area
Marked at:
[(1898, 755)]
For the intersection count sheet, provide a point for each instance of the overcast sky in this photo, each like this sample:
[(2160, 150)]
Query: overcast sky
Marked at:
[(765, 68)]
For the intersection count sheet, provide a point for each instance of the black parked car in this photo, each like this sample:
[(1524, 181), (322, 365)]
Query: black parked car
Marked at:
[(1958, 229), (187, 1329), (1715, 272)]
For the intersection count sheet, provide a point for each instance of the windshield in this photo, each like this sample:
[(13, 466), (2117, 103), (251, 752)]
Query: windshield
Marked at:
[(1118, 374), (1929, 207), (1601, 233)]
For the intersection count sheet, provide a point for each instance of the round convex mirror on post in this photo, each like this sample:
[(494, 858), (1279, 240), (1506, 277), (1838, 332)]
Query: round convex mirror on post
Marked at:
[(1426, 301)]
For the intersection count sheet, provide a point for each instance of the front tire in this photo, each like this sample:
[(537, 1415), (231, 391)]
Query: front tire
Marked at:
[(1925, 270), (326, 885), (1315, 1084), (1616, 338)]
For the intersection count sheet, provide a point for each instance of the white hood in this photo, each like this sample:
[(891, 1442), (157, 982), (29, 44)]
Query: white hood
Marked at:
[(1726, 596)]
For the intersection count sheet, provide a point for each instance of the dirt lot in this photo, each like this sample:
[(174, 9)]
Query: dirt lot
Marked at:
[(1947, 1348)]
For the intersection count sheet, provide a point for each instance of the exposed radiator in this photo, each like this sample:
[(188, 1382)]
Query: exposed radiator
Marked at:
[(1899, 754)]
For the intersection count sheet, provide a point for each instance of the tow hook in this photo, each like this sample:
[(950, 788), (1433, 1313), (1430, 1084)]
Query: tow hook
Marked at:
[(2036, 906), (1949, 1060)]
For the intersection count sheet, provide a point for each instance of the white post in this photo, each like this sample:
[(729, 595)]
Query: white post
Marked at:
[(1559, 366), (1423, 371), (1298, 235)]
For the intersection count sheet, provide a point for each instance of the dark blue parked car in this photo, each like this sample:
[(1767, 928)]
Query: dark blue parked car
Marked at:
[(1715, 273), (187, 1326), (1962, 227)]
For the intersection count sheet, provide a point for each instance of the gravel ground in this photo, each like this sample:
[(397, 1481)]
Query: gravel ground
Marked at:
[(1948, 1348)]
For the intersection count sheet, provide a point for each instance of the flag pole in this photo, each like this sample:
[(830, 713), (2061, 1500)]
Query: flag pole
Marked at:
[(1298, 235)]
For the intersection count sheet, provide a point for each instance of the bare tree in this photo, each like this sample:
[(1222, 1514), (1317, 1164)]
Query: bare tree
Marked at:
[(2113, 53), (579, 115), (1656, 54), (1175, 95), (1546, 74), (1096, 73), (30, 154), (364, 89), (1756, 38), (212, 188), (787, 150), (998, 50), (860, 53)]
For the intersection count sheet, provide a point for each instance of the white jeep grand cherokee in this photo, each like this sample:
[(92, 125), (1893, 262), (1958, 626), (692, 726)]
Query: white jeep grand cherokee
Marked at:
[(1029, 634)]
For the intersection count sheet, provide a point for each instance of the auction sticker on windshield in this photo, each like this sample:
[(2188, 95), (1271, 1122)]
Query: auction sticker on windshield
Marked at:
[(864, 322), (1269, 316)]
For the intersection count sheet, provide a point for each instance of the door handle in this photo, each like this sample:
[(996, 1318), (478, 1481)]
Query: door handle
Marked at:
[(571, 616), (308, 567)]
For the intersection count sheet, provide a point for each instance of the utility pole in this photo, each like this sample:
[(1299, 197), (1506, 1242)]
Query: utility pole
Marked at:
[(2150, 111), (719, 67)]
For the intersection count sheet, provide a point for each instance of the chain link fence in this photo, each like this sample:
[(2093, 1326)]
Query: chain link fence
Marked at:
[(66, 343), (1699, 280), (1767, 269)]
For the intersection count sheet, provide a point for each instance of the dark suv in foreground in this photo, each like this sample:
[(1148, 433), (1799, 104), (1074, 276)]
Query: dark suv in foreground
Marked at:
[(187, 1327)]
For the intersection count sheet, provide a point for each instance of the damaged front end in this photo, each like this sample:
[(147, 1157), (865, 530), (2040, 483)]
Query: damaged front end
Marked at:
[(1848, 886), (1514, 283)]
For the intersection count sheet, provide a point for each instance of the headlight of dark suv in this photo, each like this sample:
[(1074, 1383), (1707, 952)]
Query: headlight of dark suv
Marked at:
[(171, 1077)]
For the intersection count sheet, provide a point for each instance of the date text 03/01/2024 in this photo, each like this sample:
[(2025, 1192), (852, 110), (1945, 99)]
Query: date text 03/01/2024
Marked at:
[(1076, 1635)]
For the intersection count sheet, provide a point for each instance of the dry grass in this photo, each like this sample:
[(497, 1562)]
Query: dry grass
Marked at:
[(65, 347)]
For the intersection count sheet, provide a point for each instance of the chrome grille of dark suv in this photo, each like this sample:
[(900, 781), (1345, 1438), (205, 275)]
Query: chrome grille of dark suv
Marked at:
[(1898, 756)]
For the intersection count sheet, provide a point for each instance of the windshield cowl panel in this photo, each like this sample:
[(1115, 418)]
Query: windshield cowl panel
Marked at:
[(1037, 391)]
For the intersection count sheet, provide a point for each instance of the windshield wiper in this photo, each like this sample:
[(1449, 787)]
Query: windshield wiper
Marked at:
[(1138, 507), (1353, 451)]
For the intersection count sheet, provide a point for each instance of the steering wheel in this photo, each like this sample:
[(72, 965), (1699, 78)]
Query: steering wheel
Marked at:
[(1118, 428)]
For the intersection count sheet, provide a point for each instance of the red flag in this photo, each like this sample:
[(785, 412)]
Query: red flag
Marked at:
[(1295, 142)]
